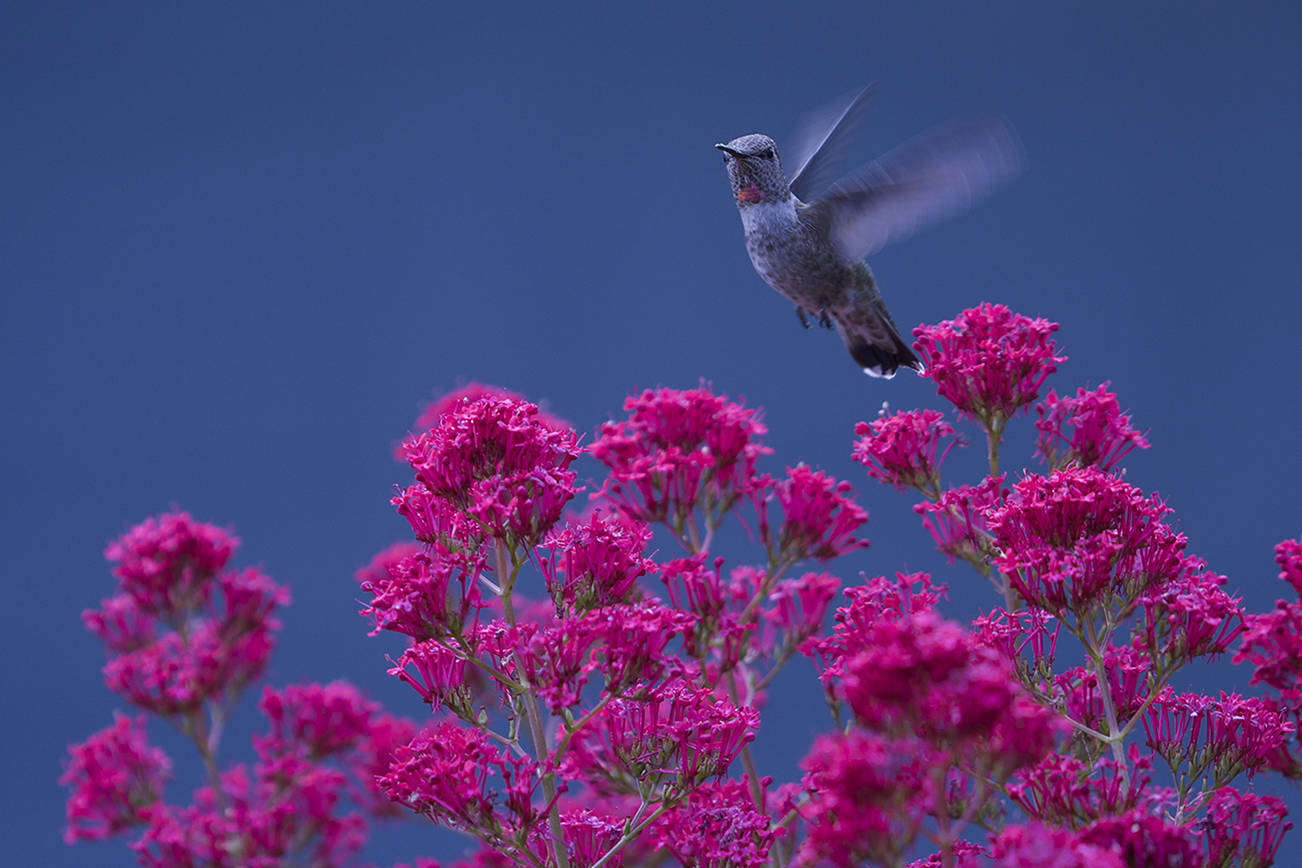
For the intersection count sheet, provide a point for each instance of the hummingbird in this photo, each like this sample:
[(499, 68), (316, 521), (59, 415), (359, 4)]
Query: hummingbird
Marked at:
[(808, 240)]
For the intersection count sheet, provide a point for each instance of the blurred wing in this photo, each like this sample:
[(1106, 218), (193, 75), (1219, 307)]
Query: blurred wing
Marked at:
[(821, 144), (932, 177)]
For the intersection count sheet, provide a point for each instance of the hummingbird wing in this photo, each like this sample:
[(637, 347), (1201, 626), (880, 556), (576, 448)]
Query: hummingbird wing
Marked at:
[(924, 180), (821, 145)]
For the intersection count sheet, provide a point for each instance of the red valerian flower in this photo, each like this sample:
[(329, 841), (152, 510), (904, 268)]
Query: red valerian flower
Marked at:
[(988, 361), (496, 462), (427, 595), (167, 564), (819, 516), (1038, 846), (678, 449), (455, 776), (322, 720), (1243, 828), (869, 795), (717, 826), (453, 401), (1141, 839), (1189, 617), (1224, 736), (1064, 791), (596, 563), (1288, 555), (959, 519), (1077, 537), (116, 779), (901, 450), (1087, 430)]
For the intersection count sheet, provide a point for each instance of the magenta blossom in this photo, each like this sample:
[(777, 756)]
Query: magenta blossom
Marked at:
[(116, 779), (819, 517), (595, 563), (167, 564), (988, 361), (901, 450), (1087, 430), (678, 449)]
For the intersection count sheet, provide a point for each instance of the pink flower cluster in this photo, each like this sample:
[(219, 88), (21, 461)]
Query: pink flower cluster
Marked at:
[(1088, 430), (677, 451), (901, 450), (186, 636), (988, 361)]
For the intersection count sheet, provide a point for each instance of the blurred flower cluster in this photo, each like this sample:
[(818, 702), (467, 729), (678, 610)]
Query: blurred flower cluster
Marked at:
[(186, 636), (593, 700)]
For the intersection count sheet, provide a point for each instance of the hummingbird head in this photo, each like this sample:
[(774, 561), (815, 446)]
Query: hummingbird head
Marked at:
[(755, 170)]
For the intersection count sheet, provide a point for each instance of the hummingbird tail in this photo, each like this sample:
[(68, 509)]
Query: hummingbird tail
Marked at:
[(880, 358)]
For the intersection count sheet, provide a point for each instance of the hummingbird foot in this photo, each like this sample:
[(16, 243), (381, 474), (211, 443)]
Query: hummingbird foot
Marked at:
[(800, 314), (823, 319)]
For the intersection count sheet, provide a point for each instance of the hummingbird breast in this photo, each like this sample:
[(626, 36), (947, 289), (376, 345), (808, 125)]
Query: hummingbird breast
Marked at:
[(793, 257)]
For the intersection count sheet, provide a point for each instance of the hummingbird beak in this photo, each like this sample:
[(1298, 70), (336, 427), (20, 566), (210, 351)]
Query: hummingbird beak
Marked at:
[(728, 150)]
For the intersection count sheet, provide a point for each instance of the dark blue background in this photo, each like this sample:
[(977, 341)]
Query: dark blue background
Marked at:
[(241, 246)]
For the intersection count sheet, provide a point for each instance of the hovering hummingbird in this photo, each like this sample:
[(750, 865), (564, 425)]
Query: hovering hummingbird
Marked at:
[(810, 247)]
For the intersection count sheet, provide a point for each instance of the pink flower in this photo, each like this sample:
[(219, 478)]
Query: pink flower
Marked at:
[(438, 674), (1075, 538), (116, 779), (869, 795), (1037, 846), (678, 449), (900, 450), (589, 836), (176, 675), (1288, 555), (595, 563), (120, 624), (457, 399), (819, 514), (1142, 840), (876, 600), (1198, 735), (1012, 634), (1190, 617), (1100, 434), (681, 736), (989, 362), (290, 807), (958, 520), (323, 720), (455, 776), (1127, 670), (167, 564), (717, 827), (1063, 790), (427, 595), (378, 568), (1243, 828), (495, 461)]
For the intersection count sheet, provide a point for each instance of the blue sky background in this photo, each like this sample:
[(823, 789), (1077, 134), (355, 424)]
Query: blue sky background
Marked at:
[(242, 245)]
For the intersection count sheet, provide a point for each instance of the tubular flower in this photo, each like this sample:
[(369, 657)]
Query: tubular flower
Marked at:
[(496, 462), (1077, 538), (1037, 846), (427, 595), (596, 563), (901, 450), (168, 564), (1141, 839), (988, 361), (819, 516), (1189, 617), (1243, 828), (681, 735), (717, 827), (1223, 737), (323, 720), (959, 519), (1288, 555), (455, 776), (1100, 434), (678, 449), (116, 779), (457, 399), (1063, 791)]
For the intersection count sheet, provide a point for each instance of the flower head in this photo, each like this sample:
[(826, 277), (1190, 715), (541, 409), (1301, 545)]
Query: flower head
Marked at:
[(901, 450), (168, 564), (1087, 430), (678, 449), (988, 361), (116, 778)]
